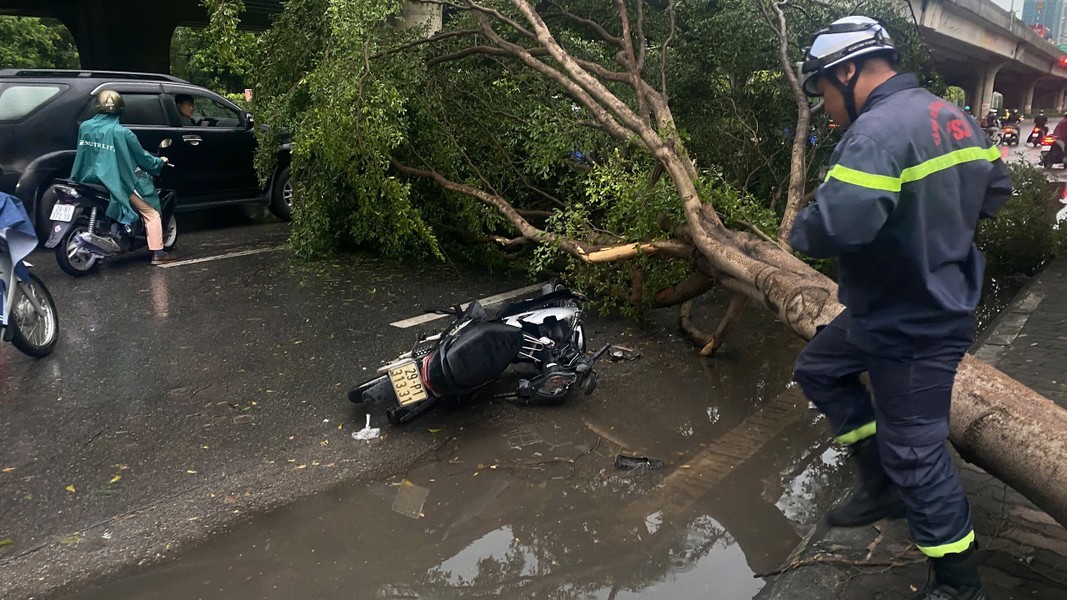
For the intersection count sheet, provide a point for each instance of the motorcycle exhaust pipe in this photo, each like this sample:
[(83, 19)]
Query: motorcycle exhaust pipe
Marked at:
[(100, 246)]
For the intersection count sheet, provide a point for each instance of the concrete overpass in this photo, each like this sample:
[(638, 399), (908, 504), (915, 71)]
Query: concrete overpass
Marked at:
[(135, 35), (976, 45), (130, 35), (982, 48)]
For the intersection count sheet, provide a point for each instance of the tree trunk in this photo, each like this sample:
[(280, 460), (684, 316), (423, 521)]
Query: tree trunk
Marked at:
[(999, 424)]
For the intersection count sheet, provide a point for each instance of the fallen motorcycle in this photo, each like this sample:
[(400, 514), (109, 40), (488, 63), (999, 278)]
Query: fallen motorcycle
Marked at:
[(474, 351)]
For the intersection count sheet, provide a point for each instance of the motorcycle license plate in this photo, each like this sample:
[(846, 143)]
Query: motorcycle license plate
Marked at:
[(406, 384), (62, 212)]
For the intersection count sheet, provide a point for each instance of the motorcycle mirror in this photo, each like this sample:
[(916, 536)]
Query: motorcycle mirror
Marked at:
[(165, 144)]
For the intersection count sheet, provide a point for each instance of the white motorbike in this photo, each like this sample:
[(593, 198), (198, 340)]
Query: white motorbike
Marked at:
[(474, 351)]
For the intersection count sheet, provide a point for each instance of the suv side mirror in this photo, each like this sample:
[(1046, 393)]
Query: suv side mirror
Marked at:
[(249, 122)]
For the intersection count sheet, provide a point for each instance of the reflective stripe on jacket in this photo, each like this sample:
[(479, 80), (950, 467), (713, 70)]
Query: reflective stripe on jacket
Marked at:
[(899, 207)]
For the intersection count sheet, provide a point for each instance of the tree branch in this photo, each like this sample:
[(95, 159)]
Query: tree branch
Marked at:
[(798, 158), (663, 52), (429, 40), (689, 288), (733, 314), (597, 27), (606, 120), (484, 50)]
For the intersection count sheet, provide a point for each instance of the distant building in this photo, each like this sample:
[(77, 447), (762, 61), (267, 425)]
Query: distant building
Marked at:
[(1046, 13)]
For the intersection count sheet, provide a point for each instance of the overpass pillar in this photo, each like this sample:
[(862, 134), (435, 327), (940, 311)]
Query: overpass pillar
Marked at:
[(1060, 95), (987, 77), (1028, 101), (121, 34)]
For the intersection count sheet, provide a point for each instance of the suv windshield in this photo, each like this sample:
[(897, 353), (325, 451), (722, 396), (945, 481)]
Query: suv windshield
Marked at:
[(17, 101)]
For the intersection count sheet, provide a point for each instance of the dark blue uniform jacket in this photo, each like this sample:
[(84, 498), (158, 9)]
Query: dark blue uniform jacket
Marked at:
[(906, 187)]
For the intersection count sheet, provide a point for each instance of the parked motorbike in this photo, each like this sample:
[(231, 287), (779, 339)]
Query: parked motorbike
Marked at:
[(1036, 136), (1009, 135), (474, 351), (82, 233), (28, 317)]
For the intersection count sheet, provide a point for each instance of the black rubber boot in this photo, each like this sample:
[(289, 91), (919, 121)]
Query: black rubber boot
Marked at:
[(955, 578), (875, 498)]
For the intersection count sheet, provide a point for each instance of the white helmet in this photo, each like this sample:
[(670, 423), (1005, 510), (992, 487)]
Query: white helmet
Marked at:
[(844, 40)]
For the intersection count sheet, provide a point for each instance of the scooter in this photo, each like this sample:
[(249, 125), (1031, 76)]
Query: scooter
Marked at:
[(28, 317), (1010, 135), (1036, 136), (474, 351), (1048, 159), (82, 233)]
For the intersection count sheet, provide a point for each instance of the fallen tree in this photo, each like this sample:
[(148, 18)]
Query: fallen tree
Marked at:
[(612, 75)]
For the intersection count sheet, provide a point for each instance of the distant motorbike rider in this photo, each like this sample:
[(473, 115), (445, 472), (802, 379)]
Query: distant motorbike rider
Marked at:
[(109, 155), (1056, 152)]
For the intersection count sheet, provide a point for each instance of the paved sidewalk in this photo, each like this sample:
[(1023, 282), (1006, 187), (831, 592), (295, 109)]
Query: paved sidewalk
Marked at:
[(1022, 550)]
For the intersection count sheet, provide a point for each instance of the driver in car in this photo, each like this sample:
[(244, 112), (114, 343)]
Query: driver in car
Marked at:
[(186, 108)]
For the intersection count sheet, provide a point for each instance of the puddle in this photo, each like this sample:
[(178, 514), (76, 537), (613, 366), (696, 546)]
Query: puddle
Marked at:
[(536, 508)]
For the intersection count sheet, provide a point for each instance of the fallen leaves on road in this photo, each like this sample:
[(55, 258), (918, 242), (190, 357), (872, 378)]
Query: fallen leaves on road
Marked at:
[(6, 543), (7, 470), (190, 471), (70, 488), (71, 540), (115, 479)]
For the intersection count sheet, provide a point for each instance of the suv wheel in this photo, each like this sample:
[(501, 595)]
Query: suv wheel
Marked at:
[(281, 195)]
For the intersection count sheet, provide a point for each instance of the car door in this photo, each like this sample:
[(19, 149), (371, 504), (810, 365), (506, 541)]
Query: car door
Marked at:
[(219, 133)]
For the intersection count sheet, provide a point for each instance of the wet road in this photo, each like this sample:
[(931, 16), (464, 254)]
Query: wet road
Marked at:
[(182, 400)]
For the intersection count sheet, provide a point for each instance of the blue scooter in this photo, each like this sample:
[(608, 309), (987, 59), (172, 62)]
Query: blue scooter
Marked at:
[(28, 316)]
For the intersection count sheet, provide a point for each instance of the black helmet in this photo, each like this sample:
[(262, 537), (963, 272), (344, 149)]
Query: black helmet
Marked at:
[(110, 102)]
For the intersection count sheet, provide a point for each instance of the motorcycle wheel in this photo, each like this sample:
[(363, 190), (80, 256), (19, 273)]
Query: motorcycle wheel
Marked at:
[(73, 260), (35, 335), (170, 234)]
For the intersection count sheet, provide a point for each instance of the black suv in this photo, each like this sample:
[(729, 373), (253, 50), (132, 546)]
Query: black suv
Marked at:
[(40, 111)]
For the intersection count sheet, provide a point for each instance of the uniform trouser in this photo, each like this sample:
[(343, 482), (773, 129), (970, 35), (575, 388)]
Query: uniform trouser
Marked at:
[(152, 223), (910, 415)]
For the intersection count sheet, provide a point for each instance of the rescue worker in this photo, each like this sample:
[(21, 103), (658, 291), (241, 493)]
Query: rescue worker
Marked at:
[(908, 183), (108, 155)]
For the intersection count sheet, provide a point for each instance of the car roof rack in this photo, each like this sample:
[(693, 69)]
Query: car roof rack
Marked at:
[(89, 74)]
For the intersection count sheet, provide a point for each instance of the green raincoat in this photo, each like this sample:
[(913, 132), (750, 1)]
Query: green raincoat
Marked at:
[(108, 155)]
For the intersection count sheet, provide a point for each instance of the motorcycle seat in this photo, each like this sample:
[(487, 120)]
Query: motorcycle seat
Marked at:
[(520, 306), (475, 357)]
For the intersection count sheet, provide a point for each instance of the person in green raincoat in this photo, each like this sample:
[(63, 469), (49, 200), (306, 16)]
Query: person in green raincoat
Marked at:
[(108, 155)]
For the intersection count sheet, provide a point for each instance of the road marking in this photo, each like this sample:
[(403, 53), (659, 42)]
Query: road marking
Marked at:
[(485, 302), (193, 261)]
